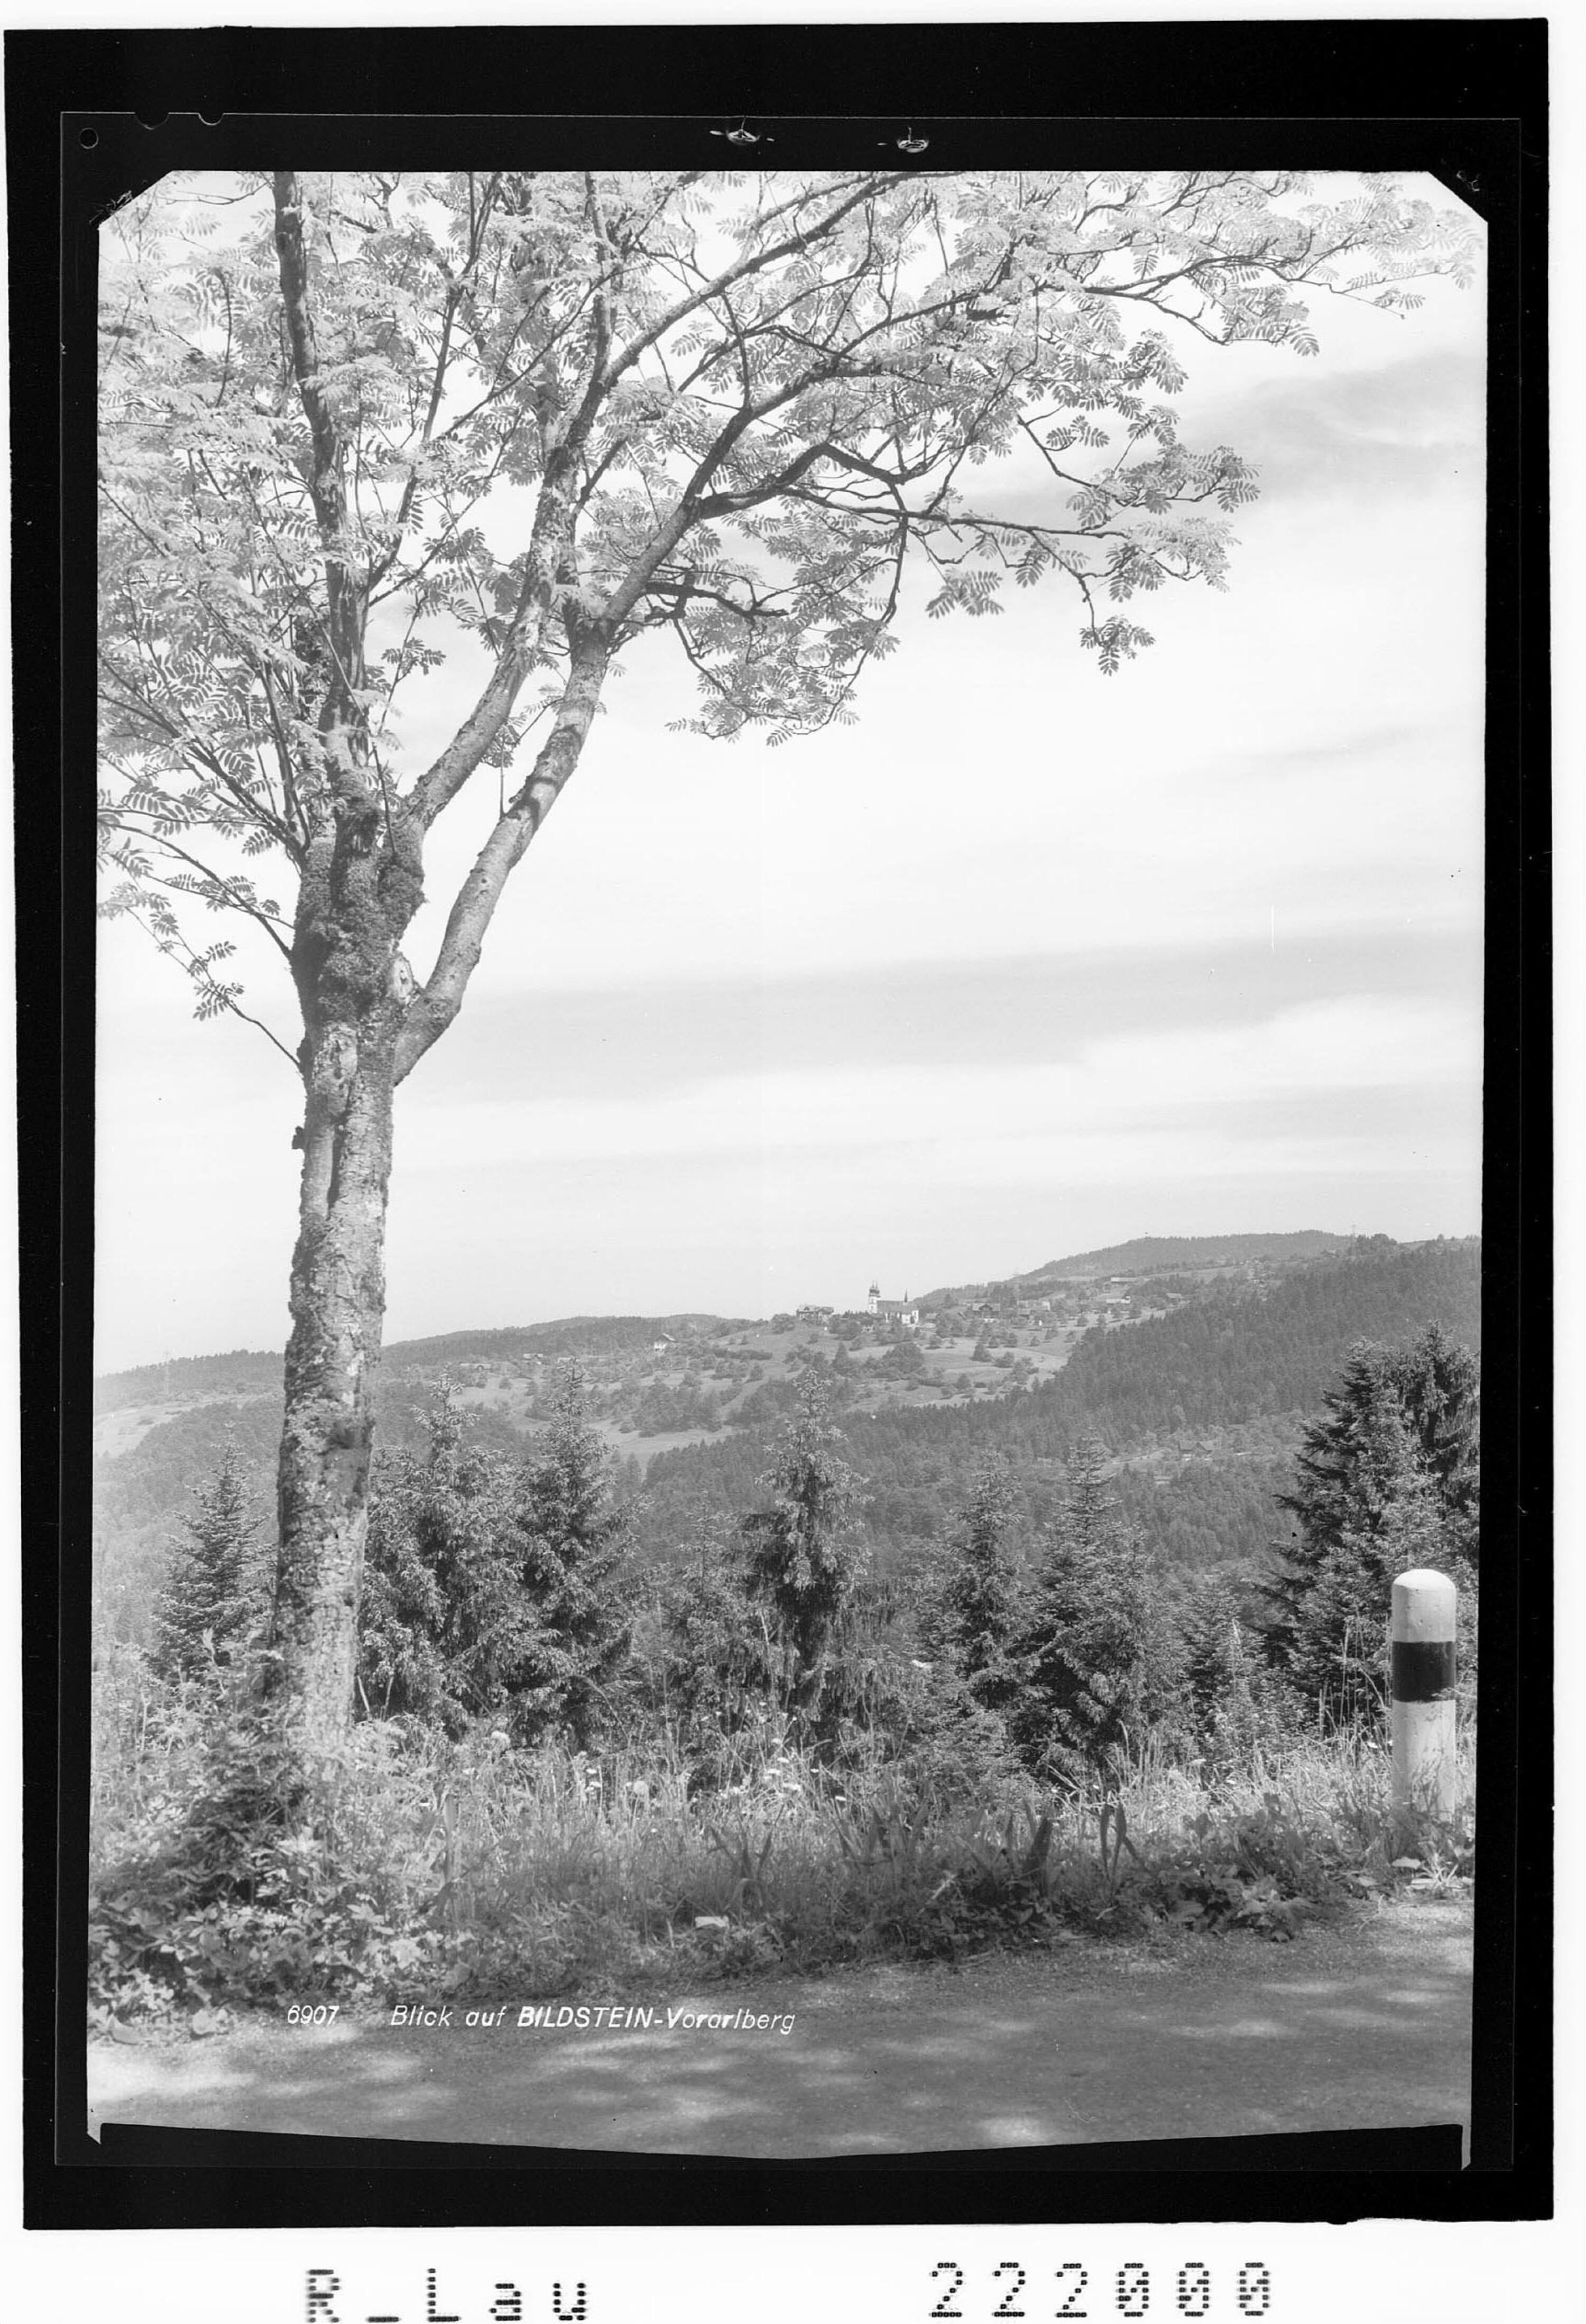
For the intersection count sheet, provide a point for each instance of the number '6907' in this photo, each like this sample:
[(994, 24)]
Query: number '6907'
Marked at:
[(1128, 2292)]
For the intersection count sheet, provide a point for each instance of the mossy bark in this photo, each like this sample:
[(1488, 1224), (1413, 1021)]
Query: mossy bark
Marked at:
[(354, 906), (339, 1310)]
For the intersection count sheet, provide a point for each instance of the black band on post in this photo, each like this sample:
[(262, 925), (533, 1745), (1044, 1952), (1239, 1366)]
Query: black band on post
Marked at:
[(1423, 1670)]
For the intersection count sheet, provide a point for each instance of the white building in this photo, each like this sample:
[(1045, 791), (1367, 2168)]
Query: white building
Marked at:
[(903, 1311)]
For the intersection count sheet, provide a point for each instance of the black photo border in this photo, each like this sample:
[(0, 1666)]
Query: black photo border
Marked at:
[(91, 117)]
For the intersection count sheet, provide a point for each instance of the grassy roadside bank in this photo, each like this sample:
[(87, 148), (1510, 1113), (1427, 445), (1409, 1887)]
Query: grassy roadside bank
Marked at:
[(473, 1870)]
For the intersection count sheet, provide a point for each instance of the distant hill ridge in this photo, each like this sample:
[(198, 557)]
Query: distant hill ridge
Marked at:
[(245, 1372), (569, 1335), (1153, 1254), (250, 1371), (1162, 1255)]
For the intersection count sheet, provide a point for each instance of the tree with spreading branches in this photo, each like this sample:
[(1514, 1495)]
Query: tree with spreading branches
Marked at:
[(354, 423)]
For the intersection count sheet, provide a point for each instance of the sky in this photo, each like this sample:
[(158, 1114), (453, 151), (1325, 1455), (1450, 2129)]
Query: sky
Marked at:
[(1028, 961)]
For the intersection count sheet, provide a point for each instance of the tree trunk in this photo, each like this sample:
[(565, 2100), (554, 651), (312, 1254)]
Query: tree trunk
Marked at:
[(337, 1308), (353, 907), (367, 1026)]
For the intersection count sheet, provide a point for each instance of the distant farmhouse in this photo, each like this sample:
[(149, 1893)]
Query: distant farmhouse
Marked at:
[(904, 1311)]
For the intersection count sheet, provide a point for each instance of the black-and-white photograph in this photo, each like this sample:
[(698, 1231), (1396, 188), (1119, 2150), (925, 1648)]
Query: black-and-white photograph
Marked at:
[(787, 1464)]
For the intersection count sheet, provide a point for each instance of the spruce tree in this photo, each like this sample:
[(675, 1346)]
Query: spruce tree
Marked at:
[(1095, 1663), (445, 1623), (572, 1543), (715, 1664), (1231, 1700), (973, 1616), (1388, 1481), (1210, 1632), (214, 1593), (803, 1549)]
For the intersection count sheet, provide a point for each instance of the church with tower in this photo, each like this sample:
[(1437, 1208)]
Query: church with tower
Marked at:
[(904, 1311)]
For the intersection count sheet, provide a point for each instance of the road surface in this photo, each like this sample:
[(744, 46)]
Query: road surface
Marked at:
[(1366, 2027)]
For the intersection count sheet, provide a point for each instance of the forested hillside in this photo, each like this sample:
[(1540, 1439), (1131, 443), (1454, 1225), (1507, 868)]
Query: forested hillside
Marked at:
[(1155, 1254), (245, 1372), (1146, 1254), (1201, 1406), (1234, 1355), (1200, 1409)]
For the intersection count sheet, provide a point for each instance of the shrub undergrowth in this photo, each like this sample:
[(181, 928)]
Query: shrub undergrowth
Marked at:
[(584, 1775), (470, 1868)]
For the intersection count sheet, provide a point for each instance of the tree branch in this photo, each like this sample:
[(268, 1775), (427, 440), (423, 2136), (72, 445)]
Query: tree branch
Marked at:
[(434, 1007), (326, 484), (743, 269), (198, 970)]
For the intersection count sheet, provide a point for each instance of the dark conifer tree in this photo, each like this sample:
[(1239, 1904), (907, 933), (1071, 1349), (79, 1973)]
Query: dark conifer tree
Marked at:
[(215, 1592), (1096, 1665), (716, 1660), (802, 1547), (445, 1623), (1388, 1481), (572, 1542), (973, 1616)]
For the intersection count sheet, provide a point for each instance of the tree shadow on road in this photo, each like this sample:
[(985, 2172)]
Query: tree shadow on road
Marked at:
[(930, 2068)]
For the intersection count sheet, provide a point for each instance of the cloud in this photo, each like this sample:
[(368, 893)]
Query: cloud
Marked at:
[(1077, 1108), (1408, 429), (1197, 946), (931, 1015)]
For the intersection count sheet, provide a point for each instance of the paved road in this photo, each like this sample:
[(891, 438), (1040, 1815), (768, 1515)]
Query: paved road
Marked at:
[(1365, 2027)]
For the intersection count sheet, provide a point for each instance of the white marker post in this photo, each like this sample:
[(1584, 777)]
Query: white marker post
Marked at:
[(1422, 1718)]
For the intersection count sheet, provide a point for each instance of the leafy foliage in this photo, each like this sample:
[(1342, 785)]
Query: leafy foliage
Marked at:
[(661, 1408), (741, 411)]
